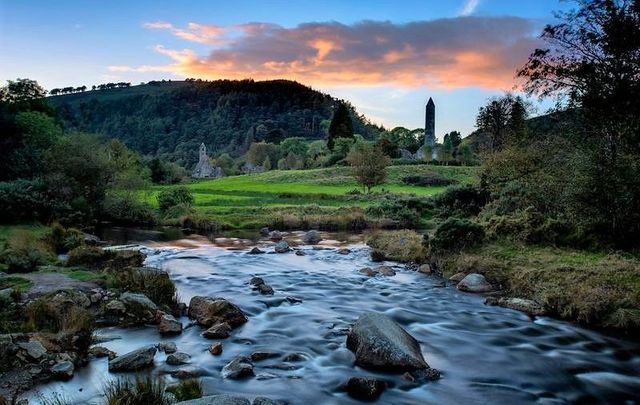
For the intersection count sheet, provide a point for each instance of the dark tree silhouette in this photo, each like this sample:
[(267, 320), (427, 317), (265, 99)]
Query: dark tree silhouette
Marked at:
[(341, 125)]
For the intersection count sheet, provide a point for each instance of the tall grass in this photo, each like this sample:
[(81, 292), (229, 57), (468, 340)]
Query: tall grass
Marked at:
[(142, 391)]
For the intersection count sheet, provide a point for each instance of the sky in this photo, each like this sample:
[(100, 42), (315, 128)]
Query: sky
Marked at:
[(385, 57)]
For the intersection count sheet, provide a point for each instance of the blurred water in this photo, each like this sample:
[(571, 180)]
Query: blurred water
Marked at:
[(486, 354)]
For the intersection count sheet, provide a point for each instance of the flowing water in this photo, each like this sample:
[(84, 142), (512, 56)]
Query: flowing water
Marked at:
[(486, 354)]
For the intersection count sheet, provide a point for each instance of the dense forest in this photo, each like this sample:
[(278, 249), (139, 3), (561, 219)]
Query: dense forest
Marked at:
[(170, 119)]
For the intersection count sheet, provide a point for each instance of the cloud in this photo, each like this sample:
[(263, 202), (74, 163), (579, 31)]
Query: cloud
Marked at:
[(446, 53), (469, 7), (203, 34)]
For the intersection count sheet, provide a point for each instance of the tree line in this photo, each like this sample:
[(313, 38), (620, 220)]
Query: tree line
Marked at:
[(80, 89)]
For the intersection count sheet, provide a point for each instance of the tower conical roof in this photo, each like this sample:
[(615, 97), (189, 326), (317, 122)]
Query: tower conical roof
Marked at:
[(430, 102)]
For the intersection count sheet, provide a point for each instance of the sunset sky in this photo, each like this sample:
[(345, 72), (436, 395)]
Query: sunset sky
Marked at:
[(386, 57)]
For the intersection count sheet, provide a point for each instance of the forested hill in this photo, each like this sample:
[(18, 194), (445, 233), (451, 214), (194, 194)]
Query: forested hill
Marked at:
[(172, 118)]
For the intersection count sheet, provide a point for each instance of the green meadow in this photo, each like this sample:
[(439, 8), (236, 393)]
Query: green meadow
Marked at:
[(250, 200)]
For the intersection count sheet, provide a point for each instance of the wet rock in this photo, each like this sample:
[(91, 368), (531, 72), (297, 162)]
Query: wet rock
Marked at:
[(365, 388), (63, 370), (263, 355), (344, 251), (100, 351), (422, 376), (475, 283), (186, 373), (167, 347), (380, 343), (368, 271), (275, 236), (115, 307), (256, 251), (138, 301), (295, 357), (218, 331), (293, 300), (178, 358), (33, 348), (312, 237), (91, 240), (215, 349), (519, 304), (300, 253), (169, 325), (425, 268), (282, 247), (265, 289), (264, 231), (239, 367), (385, 271), (456, 278), (208, 311), (135, 360), (6, 296), (267, 401), (256, 281), (224, 399)]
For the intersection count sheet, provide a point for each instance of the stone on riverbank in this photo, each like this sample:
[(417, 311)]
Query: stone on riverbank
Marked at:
[(380, 343), (474, 283), (169, 325), (208, 311), (135, 360), (282, 247), (312, 237), (529, 307), (63, 370)]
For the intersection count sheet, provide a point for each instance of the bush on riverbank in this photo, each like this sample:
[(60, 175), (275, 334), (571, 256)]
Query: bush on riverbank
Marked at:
[(155, 284), (457, 234), (595, 289), (402, 246), (147, 390), (25, 251)]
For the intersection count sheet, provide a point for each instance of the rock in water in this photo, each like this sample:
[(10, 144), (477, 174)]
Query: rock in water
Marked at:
[(380, 343), (176, 359), (255, 251), (368, 389), (135, 360), (475, 283), (63, 370), (169, 325), (282, 247), (208, 311), (223, 399), (239, 367), (456, 278), (425, 268), (218, 331), (215, 349), (312, 237)]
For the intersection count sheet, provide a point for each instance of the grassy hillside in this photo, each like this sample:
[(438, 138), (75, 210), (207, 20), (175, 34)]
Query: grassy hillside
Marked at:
[(254, 200)]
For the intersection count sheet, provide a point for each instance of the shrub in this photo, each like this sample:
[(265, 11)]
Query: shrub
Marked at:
[(25, 252), (408, 211), (174, 196), (145, 390), (155, 284), (427, 180), (65, 239), (53, 314), (402, 246), (460, 201), (128, 210), (24, 200), (186, 390), (456, 233), (91, 256)]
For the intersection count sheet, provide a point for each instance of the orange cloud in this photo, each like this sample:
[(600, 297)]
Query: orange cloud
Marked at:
[(447, 53)]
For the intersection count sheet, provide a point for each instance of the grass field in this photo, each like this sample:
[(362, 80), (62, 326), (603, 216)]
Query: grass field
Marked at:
[(249, 200)]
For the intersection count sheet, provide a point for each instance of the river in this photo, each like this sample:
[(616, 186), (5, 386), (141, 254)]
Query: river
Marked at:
[(485, 354)]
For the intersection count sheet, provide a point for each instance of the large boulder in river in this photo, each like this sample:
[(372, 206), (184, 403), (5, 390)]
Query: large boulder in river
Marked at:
[(208, 311), (139, 306), (169, 325), (380, 343), (282, 247), (365, 388), (475, 283), (239, 367), (135, 360)]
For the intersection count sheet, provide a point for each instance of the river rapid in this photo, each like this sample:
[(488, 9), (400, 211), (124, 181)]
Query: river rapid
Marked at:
[(485, 354)]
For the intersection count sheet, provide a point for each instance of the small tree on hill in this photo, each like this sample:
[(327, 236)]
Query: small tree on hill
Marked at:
[(341, 125), (369, 165)]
